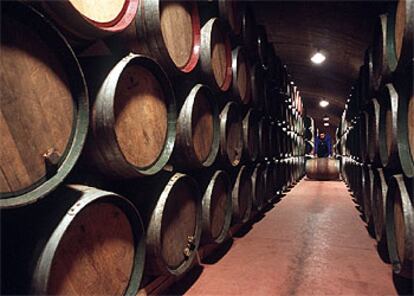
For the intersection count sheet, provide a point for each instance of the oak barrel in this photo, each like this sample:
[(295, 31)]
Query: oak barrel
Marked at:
[(405, 120), (242, 196), (263, 46), (367, 190), (400, 33), (168, 31), (229, 10), (259, 186), (241, 83), (258, 86), (215, 56), (379, 197), (198, 130), (44, 106), (264, 131), (322, 168), (231, 134), (251, 135), (373, 131), (133, 122), (81, 241), (388, 129), (170, 204), (400, 225), (92, 19), (249, 31), (217, 208)]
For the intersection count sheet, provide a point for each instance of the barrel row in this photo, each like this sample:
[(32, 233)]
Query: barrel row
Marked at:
[(185, 211), (376, 136), (173, 133)]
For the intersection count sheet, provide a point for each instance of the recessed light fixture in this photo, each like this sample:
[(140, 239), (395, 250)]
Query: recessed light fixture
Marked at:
[(318, 58), (326, 118), (323, 103), (326, 124)]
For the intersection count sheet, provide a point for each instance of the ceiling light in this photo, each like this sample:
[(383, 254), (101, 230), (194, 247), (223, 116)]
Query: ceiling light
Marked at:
[(318, 58), (326, 118), (292, 82), (326, 124), (323, 103)]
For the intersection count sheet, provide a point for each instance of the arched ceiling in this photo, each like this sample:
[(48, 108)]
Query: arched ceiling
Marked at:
[(341, 30)]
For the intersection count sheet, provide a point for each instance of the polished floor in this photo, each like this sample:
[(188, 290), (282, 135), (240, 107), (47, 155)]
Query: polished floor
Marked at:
[(311, 242)]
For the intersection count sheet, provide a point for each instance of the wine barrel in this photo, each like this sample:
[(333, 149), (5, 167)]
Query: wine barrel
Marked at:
[(231, 137), (83, 241), (405, 120), (369, 75), (388, 137), (367, 190), (171, 208), (400, 225), (259, 186), (400, 34), (264, 137), (217, 208), (363, 136), (133, 120), (44, 106), (241, 84), (322, 169), (242, 196), (198, 130), (91, 19), (251, 135), (215, 56), (272, 139), (229, 10), (262, 46), (379, 197), (258, 86), (380, 62), (373, 132), (248, 32), (168, 31)]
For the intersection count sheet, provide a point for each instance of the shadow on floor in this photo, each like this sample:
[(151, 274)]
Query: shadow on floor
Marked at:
[(219, 252), (403, 285), (185, 283)]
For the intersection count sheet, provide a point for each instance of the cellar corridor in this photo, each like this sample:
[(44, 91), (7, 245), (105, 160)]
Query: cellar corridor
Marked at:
[(311, 242)]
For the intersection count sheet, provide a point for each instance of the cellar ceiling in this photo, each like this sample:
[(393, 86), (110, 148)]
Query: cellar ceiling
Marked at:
[(341, 30)]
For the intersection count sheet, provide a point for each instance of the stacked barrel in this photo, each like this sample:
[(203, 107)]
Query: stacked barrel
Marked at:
[(133, 132), (376, 136)]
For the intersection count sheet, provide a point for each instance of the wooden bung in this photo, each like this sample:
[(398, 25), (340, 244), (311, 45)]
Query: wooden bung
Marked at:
[(379, 197), (241, 83), (168, 31), (258, 177), (133, 121), (198, 130), (400, 225), (251, 135), (215, 56), (91, 19), (44, 107), (217, 207), (242, 196), (81, 241), (231, 137)]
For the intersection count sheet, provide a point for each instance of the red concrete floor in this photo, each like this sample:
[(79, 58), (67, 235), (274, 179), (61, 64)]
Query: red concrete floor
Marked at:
[(313, 242)]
